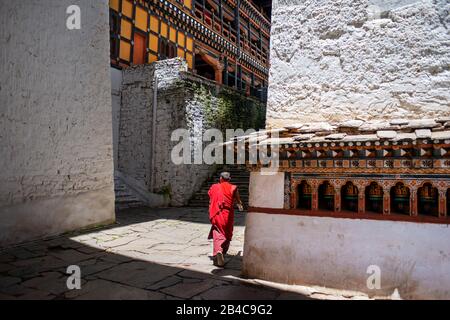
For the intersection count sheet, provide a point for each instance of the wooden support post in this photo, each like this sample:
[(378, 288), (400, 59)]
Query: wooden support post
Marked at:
[(386, 203), (221, 16), (337, 200), (225, 67), (413, 203), (442, 205), (293, 198), (315, 199), (218, 71), (203, 12), (361, 201)]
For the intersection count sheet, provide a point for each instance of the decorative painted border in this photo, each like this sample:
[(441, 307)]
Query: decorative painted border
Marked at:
[(386, 182), (349, 215)]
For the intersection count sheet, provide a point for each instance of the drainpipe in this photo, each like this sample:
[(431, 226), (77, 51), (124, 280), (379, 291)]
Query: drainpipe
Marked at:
[(152, 147)]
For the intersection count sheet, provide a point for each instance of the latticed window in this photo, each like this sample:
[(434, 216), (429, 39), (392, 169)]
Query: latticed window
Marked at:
[(114, 31)]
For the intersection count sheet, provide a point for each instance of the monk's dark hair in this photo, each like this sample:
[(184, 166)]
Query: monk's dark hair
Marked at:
[(225, 176)]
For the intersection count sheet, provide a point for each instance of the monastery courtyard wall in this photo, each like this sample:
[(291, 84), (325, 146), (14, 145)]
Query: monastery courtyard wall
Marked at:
[(184, 101), (340, 252), (55, 124), (358, 59), (359, 93)]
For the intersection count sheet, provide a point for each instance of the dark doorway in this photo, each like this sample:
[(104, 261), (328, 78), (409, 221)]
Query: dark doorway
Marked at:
[(448, 202)]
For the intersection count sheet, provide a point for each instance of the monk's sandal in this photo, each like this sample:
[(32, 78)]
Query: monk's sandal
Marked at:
[(220, 259)]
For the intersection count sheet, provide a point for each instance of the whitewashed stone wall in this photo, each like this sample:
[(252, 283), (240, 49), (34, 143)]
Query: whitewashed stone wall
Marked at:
[(184, 101), (135, 124), (176, 108), (334, 60), (266, 190), (413, 258), (116, 84), (56, 167)]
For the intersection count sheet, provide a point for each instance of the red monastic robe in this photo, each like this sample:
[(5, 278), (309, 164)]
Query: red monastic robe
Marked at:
[(221, 215)]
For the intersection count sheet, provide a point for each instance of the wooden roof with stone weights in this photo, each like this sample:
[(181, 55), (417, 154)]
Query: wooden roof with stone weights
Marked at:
[(397, 143)]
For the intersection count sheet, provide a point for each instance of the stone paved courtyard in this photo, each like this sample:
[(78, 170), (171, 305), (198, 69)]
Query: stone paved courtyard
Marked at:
[(147, 254)]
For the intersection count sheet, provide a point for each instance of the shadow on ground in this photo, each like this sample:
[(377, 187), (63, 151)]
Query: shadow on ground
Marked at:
[(186, 214), (37, 270)]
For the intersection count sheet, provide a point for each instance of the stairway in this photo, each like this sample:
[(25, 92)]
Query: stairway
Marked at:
[(239, 176), (125, 197)]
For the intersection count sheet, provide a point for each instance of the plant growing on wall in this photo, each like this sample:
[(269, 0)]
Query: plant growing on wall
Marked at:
[(166, 191), (228, 109)]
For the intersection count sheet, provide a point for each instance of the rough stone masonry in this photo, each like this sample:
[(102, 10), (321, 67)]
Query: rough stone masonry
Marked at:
[(358, 59), (55, 119), (184, 101)]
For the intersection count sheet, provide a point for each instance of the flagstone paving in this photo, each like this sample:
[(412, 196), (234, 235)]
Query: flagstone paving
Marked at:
[(147, 254)]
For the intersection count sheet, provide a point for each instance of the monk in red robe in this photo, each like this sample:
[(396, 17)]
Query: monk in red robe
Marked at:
[(222, 197)]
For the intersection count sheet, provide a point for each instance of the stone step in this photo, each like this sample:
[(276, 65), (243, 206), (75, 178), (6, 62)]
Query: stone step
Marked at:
[(239, 176), (125, 197)]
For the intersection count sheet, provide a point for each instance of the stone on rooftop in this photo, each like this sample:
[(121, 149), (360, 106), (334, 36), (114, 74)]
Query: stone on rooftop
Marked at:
[(361, 138), (402, 122), (378, 125), (405, 137), (277, 141), (423, 133), (443, 119), (294, 126), (322, 133), (351, 124), (440, 135), (317, 139), (302, 137), (336, 136), (421, 124), (395, 133), (316, 126), (386, 134)]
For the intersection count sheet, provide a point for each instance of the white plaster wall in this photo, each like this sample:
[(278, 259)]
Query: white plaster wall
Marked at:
[(335, 253), (180, 107), (334, 60), (184, 101), (266, 190), (116, 84), (55, 119), (176, 108), (135, 124)]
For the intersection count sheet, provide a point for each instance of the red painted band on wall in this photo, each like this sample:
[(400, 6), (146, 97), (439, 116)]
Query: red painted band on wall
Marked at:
[(352, 215)]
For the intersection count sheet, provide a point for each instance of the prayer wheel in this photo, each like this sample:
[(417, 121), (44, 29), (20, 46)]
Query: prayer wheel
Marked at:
[(401, 198)]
